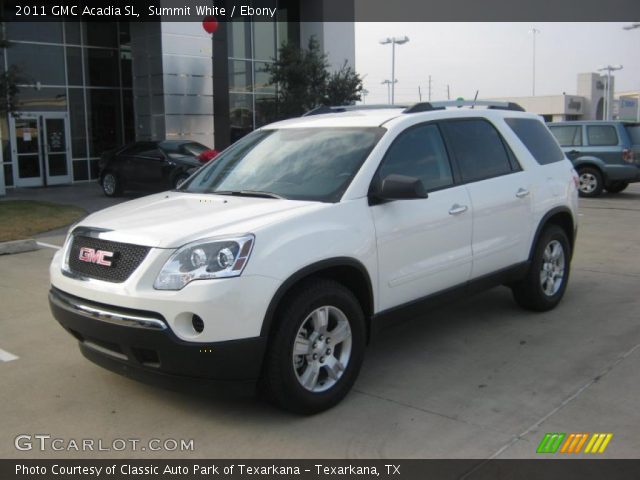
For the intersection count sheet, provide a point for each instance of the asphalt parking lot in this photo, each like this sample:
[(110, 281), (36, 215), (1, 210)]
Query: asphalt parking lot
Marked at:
[(479, 379)]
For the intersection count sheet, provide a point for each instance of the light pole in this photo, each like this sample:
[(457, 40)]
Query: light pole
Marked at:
[(633, 26), (393, 41), (607, 91), (534, 31), (388, 83)]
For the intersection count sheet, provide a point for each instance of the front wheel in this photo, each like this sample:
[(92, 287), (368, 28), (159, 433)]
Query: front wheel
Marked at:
[(544, 285), (317, 348)]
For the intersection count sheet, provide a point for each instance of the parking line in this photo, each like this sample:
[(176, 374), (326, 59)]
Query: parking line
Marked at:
[(6, 356), (48, 245)]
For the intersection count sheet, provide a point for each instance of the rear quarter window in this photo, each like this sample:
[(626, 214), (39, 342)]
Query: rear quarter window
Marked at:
[(537, 138), (634, 133)]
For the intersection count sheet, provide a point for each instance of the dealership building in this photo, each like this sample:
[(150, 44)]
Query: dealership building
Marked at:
[(89, 87), (588, 103)]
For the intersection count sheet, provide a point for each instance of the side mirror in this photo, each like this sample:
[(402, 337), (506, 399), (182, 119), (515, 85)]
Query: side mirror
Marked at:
[(400, 187)]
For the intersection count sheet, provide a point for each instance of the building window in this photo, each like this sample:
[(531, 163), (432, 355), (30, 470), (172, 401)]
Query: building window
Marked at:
[(42, 64), (49, 32), (101, 67), (103, 109)]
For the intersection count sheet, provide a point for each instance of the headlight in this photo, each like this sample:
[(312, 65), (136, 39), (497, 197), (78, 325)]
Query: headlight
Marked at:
[(205, 259)]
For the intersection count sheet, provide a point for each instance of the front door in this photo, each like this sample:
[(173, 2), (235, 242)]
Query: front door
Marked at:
[(424, 245), (40, 149)]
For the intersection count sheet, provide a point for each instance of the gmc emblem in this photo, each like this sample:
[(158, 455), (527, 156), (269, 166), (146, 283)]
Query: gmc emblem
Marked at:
[(91, 255)]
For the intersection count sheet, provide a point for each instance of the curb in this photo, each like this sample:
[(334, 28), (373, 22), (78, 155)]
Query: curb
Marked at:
[(18, 246)]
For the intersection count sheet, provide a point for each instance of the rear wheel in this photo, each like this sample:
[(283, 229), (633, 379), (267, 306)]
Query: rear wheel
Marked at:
[(616, 187), (546, 281), (111, 185), (179, 179), (591, 183), (316, 351)]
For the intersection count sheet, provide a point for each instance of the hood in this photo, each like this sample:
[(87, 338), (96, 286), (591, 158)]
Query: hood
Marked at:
[(171, 219)]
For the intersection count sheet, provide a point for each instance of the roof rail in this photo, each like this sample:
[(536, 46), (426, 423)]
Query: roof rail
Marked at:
[(494, 105), (347, 108)]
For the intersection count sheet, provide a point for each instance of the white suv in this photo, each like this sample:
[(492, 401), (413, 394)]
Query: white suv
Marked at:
[(278, 261)]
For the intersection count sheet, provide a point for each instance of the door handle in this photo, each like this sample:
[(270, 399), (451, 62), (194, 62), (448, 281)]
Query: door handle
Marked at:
[(457, 209), (522, 192)]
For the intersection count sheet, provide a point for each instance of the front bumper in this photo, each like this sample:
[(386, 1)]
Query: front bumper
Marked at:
[(140, 344)]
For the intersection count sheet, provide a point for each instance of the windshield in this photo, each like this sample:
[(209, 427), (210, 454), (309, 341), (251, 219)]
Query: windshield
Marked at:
[(298, 164)]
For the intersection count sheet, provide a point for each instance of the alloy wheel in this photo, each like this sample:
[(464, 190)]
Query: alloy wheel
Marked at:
[(322, 349), (553, 266)]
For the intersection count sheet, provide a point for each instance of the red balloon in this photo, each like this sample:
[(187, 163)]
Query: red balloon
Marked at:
[(210, 24)]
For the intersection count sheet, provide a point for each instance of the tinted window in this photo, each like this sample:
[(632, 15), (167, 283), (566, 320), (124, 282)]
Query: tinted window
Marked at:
[(537, 139), (568, 136), (419, 152), (478, 149), (602, 135), (634, 133)]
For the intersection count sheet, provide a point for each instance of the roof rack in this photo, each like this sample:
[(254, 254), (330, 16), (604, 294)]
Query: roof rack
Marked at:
[(493, 105), (348, 108)]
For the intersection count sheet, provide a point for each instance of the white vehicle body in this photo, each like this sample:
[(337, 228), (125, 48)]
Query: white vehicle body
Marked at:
[(408, 249)]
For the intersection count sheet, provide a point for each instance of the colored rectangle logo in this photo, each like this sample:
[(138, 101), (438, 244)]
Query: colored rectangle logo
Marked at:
[(574, 443)]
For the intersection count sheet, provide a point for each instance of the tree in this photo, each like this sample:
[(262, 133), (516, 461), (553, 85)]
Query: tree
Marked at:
[(9, 89), (304, 81), (344, 87)]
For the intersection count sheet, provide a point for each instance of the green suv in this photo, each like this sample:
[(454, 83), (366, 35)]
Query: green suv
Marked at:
[(606, 154)]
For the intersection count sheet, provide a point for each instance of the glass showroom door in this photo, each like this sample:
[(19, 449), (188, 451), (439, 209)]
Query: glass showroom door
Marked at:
[(40, 150)]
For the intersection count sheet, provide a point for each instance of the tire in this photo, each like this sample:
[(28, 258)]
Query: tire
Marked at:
[(545, 282), (616, 187), (179, 179), (111, 185), (289, 379), (591, 183)]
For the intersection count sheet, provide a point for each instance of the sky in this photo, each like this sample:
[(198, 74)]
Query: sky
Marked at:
[(494, 58)]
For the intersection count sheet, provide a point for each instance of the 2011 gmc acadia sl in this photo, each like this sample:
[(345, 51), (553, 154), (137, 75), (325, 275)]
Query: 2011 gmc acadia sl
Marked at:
[(276, 262)]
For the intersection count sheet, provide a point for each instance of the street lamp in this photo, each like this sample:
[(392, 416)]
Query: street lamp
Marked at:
[(607, 91), (534, 31), (632, 27), (393, 41), (388, 83)]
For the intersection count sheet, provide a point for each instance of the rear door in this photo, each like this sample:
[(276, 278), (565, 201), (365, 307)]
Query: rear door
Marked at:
[(500, 193), (424, 245), (570, 139)]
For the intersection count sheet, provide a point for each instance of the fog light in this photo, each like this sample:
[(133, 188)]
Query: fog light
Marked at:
[(198, 323)]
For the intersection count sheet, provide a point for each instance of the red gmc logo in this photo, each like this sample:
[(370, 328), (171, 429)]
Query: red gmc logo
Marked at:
[(91, 255)]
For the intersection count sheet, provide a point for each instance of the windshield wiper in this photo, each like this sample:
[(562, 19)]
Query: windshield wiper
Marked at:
[(248, 193)]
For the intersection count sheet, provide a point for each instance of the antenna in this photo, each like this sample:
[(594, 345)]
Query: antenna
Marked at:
[(475, 99)]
